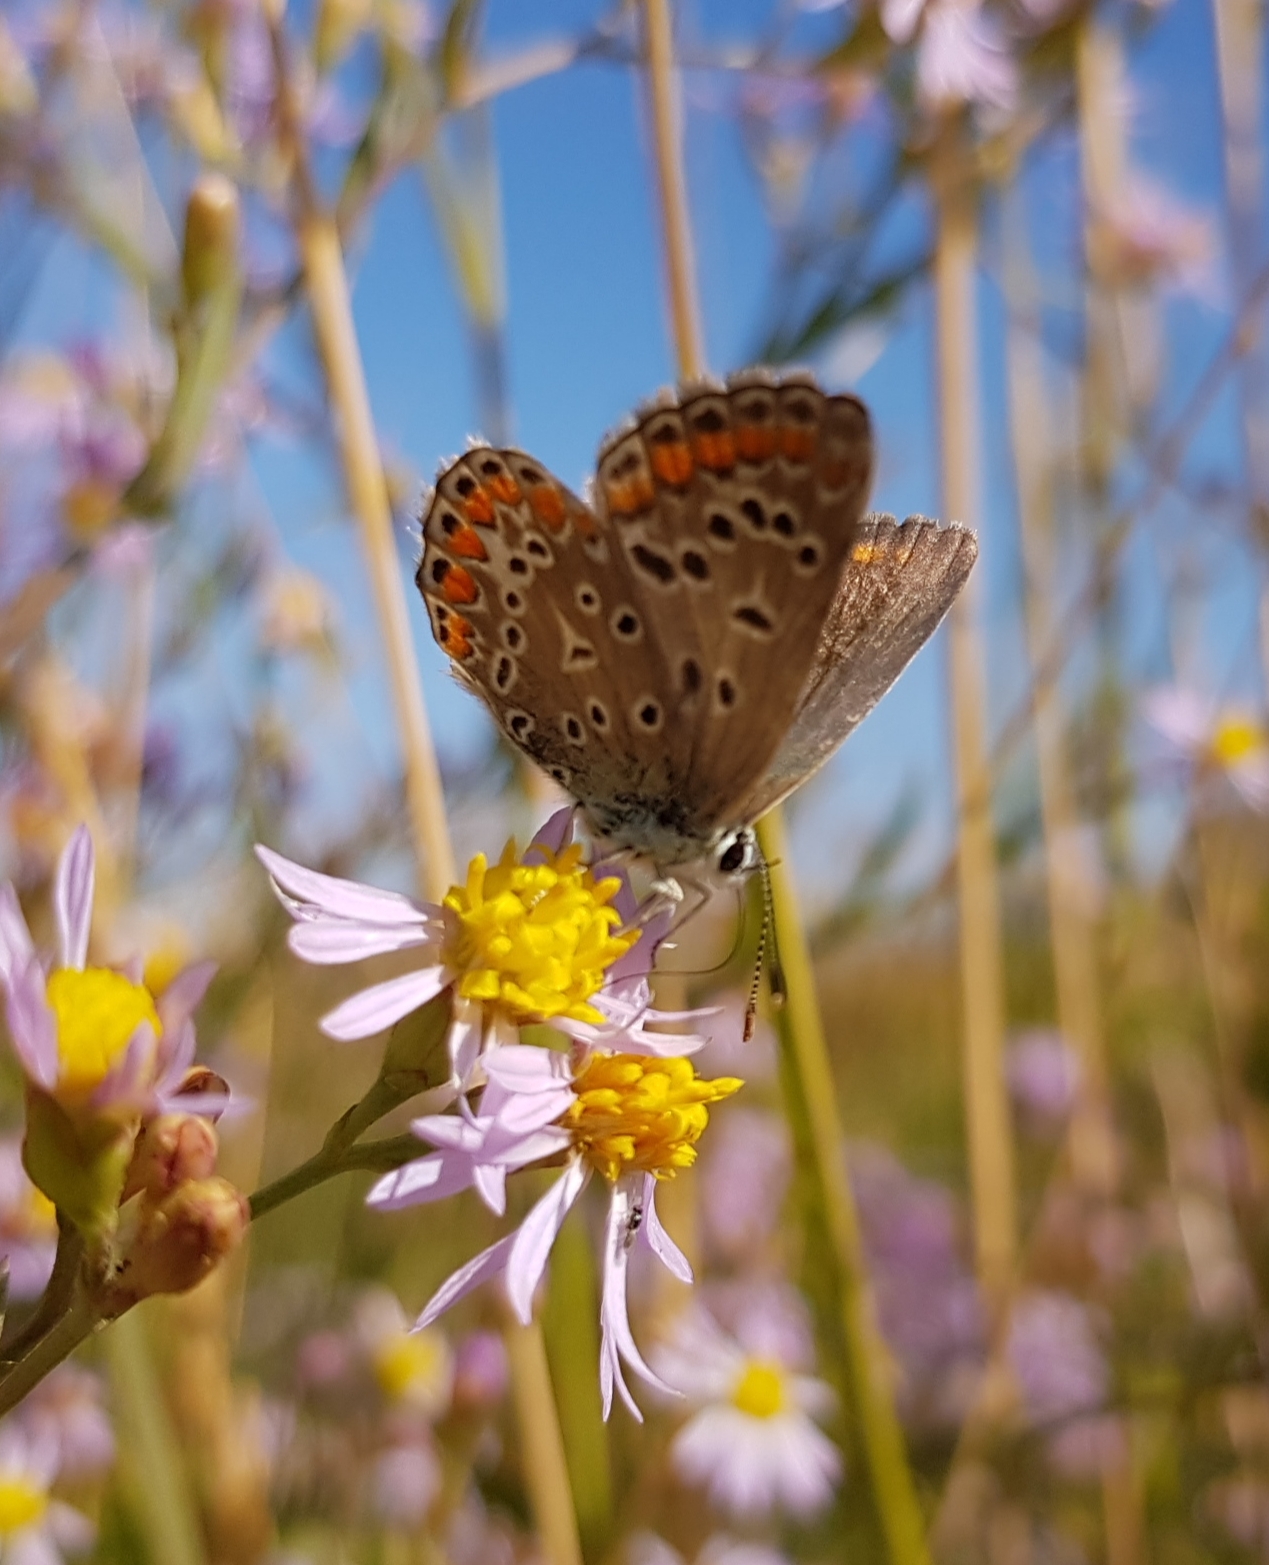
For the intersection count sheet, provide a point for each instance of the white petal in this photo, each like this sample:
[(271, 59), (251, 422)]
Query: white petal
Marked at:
[(466, 1035), (378, 1007), (536, 1235), (326, 942), (460, 1283), (343, 898), (525, 1067), (426, 1179), (660, 1243), (73, 898), (555, 834)]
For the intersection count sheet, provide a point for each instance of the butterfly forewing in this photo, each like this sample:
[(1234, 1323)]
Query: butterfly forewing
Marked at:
[(648, 651), (899, 582)]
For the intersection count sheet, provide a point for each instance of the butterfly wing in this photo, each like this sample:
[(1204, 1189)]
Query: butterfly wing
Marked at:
[(647, 652), (898, 584), (736, 508)]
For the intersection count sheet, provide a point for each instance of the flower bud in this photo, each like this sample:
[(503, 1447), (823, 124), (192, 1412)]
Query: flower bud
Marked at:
[(170, 1150), (212, 220), (79, 1163), (416, 1057), (179, 1240)]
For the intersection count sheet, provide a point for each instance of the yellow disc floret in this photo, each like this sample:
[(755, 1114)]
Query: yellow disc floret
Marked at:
[(22, 1503), (535, 939), (760, 1391), (411, 1365), (97, 1011), (637, 1112), (1236, 738)]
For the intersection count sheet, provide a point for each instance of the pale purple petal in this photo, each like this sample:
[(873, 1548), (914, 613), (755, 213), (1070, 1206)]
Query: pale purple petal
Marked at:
[(536, 1235), (331, 895), (426, 1179), (132, 1075), (659, 1242), (522, 1068), (614, 1315), (184, 994), (554, 834), (1181, 716), (32, 1548), (32, 1027), (327, 942), (16, 948), (174, 1055), (466, 1035), (71, 1528), (378, 1007), (486, 1265), (73, 898), (491, 1186)]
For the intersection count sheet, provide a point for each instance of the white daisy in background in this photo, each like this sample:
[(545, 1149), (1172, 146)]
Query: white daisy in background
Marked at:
[(545, 938), (35, 1529), (752, 1442), (414, 1369), (1231, 740), (632, 1118)]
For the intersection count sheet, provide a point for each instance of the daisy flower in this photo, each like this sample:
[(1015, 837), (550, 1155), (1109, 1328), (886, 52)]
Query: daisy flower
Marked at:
[(95, 1039), (35, 1529), (1228, 740), (753, 1442), (545, 938), (631, 1118)]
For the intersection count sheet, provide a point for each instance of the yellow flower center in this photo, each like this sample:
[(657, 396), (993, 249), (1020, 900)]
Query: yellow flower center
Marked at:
[(407, 1363), (535, 939), (760, 1390), (637, 1112), (22, 1504), (1235, 739), (97, 1011)]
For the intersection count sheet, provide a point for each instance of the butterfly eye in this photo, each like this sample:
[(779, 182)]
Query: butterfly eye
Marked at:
[(738, 853)]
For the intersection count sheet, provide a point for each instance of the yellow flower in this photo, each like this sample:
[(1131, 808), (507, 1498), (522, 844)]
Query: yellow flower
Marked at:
[(96, 1011), (22, 1503), (535, 940), (641, 1112), (760, 1391)]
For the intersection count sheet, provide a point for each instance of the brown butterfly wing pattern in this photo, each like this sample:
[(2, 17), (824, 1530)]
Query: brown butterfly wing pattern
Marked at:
[(647, 652), (899, 582)]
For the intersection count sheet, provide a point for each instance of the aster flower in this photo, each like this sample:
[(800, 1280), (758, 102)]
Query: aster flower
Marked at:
[(545, 938), (67, 1410), (28, 1225), (631, 1118), (961, 58), (35, 1529), (412, 1369), (1230, 741), (95, 1039), (753, 1442)]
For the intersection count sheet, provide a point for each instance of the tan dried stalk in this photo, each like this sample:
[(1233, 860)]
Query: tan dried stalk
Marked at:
[(989, 1132)]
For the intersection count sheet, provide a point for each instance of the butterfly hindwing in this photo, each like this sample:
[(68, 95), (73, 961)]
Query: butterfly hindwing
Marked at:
[(899, 582)]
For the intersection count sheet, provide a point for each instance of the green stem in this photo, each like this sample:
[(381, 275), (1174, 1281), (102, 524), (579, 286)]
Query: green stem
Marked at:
[(377, 1156), (76, 1325), (57, 1295), (812, 1107)]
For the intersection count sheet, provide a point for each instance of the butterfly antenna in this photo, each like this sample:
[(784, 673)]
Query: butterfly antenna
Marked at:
[(775, 971)]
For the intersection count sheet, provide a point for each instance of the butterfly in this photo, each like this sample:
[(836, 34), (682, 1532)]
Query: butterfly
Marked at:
[(688, 644)]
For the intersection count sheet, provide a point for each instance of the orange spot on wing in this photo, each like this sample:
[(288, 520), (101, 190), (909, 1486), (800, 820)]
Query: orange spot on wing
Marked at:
[(837, 474), (466, 543), (505, 488), (455, 636), (478, 508), (584, 521), (797, 444), (459, 586), (672, 462), (755, 442), (547, 504), (866, 553), (629, 496), (715, 450)]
